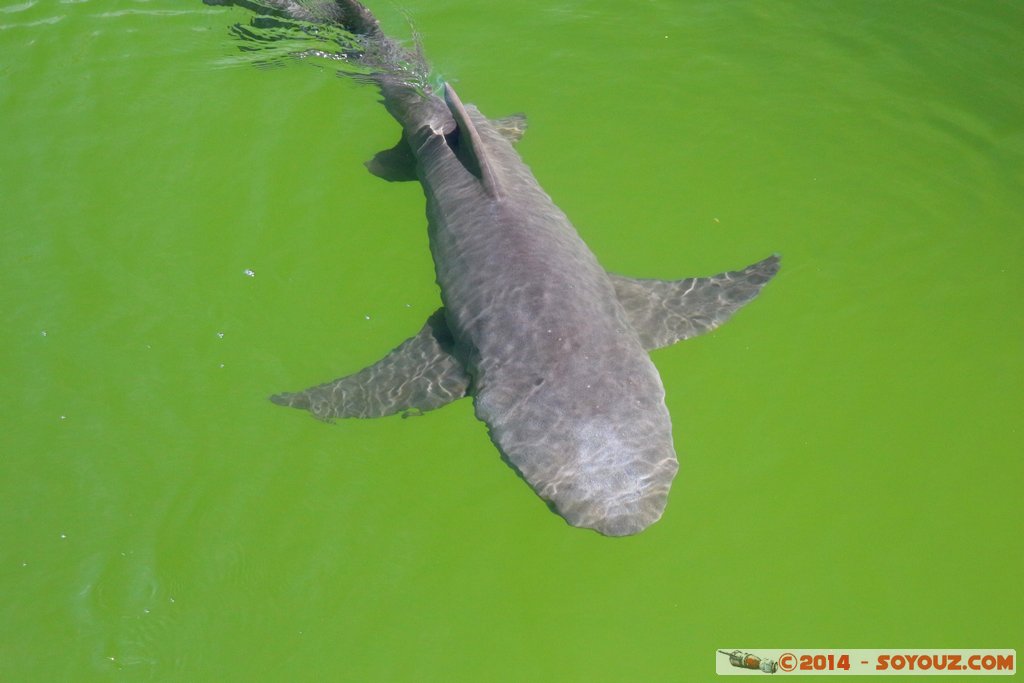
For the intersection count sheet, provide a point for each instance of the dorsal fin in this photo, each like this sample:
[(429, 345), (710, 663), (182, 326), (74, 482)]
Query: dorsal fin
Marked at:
[(470, 147)]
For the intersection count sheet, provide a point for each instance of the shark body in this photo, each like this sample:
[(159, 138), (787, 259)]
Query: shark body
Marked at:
[(552, 349)]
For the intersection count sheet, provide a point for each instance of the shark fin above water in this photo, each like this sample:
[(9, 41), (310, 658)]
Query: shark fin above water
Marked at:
[(424, 373), (398, 164), (469, 147)]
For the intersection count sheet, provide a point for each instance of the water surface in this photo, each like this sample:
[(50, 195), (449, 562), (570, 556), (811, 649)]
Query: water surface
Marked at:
[(184, 234)]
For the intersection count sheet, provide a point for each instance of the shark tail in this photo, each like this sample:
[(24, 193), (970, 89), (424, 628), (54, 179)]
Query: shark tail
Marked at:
[(348, 32)]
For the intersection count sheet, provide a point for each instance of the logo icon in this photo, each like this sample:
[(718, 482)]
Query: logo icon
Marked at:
[(745, 660)]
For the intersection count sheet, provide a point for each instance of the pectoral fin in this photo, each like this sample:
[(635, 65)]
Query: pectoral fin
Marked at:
[(421, 374), (666, 311)]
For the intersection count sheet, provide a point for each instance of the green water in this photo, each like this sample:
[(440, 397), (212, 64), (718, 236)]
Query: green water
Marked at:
[(850, 443)]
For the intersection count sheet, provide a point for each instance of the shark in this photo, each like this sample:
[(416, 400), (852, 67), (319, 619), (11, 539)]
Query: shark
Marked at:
[(552, 349)]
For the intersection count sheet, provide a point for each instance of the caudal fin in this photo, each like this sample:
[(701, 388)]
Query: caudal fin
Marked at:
[(341, 30)]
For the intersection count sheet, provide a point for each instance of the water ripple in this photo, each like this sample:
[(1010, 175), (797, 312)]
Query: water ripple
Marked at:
[(20, 7)]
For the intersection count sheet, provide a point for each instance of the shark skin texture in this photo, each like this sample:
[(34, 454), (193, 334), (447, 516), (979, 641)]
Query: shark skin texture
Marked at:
[(552, 349)]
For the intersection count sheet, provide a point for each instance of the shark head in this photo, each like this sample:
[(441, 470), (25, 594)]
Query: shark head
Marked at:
[(609, 470), (614, 479)]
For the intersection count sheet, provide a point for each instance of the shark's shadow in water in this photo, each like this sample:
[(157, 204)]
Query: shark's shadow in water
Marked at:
[(552, 349)]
